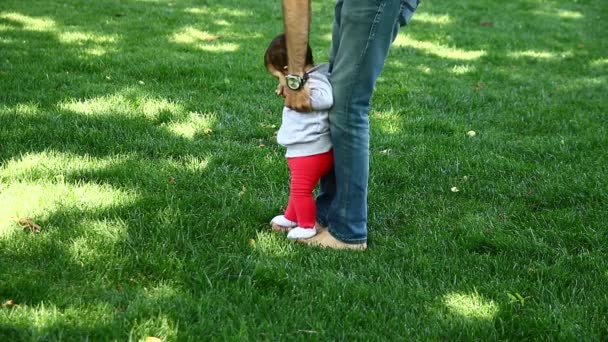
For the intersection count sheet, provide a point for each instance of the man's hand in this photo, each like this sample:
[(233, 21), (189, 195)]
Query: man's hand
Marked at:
[(298, 99)]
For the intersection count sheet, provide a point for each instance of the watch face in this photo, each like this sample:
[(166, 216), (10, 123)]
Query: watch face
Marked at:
[(293, 82)]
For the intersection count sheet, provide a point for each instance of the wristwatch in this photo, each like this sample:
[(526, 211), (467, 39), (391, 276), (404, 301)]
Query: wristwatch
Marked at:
[(295, 82)]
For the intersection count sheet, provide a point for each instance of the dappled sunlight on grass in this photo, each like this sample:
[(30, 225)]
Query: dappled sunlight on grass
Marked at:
[(82, 37), (61, 168), (52, 165), (195, 123), (153, 107), (94, 44), (229, 12), (222, 22), (124, 102), (547, 55), (462, 69), (45, 317), (149, 302), (222, 47), (100, 237), (561, 13), (429, 18), (21, 109), (438, 49), (387, 122), (38, 188), (425, 69), (97, 52), (98, 106), (202, 40), (570, 14), (37, 24), (41, 200), (190, 35), (471, 306), (140, 135), (599, 62), (160, 292), (271, 243), (585, 83)]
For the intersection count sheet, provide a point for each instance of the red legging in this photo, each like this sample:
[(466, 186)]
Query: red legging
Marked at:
[(305, 174)]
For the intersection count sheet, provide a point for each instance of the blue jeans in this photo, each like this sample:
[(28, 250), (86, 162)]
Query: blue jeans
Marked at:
[(362, 35)]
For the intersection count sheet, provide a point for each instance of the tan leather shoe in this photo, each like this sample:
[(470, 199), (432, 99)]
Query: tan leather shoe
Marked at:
[(324, 239)]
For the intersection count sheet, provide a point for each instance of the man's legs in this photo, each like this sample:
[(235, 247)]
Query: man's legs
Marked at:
[(328, 182), (363, 33)]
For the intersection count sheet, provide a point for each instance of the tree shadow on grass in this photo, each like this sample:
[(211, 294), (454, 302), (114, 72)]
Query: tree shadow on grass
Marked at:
[(186, 237), (522, 46), (186, 47), (177, 248)]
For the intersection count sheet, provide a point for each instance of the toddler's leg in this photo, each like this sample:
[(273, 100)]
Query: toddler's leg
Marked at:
[(290, 212), (284, 223), (302, 184), (305, 173)]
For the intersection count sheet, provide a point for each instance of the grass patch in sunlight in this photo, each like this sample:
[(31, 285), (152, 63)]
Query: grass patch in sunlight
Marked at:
[(141, 137), (438, 49), (471, 306), (30, 23)]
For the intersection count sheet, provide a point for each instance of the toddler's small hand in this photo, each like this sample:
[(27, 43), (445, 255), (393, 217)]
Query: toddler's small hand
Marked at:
[(281, 90)]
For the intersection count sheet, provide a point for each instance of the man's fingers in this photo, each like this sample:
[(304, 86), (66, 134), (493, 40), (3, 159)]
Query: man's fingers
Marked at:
[(298, 100), (298, 106)]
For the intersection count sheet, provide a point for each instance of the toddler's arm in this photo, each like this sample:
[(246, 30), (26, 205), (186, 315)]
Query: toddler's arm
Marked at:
[(321, 95)]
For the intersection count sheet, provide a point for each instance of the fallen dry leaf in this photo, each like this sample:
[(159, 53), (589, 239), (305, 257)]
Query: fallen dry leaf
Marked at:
[(28, 224), (171, 180), (210, 38), (486, 23), (9, 304), (478, 85)]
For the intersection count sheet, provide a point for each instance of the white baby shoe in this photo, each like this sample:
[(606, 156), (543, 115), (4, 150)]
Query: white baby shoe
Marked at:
[(282, 222), (301, 233)]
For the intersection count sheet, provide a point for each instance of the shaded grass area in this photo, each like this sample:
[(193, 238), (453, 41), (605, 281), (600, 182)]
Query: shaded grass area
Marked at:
[(141, 136)]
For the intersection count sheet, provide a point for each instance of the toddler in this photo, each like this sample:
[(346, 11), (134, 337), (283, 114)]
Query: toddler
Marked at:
[(306, 138)]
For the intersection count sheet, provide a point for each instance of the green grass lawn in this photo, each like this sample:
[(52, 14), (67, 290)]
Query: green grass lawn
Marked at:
[(140, 137)]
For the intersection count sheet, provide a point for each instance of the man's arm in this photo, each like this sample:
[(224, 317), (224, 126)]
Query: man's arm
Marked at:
[(296, 19)]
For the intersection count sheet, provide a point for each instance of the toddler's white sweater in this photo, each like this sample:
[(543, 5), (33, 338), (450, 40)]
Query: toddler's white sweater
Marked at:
[(307, 133)]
